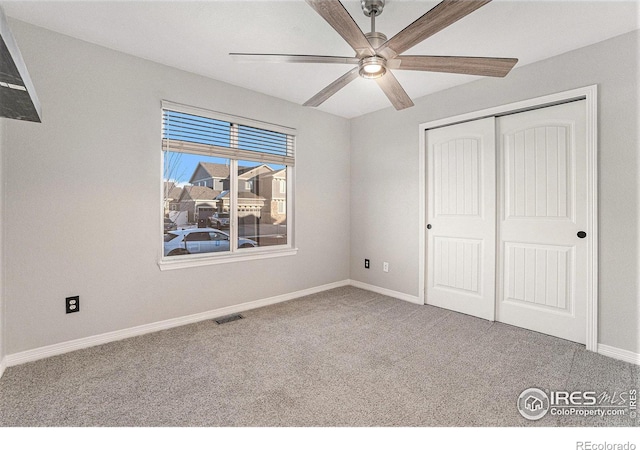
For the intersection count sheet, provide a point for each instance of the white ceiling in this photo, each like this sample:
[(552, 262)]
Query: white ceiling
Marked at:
[(198, 36)]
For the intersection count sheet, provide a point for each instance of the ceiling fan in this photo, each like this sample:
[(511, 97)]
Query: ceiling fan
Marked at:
[(376, 56)]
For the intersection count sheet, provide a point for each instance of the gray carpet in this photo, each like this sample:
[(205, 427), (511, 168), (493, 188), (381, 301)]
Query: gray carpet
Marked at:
[(345, 357)]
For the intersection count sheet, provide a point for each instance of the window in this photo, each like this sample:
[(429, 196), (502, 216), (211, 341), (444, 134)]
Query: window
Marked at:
[(236, 175)]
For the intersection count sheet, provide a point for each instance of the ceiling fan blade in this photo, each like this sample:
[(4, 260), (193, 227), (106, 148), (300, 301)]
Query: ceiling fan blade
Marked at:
[(439, 17), (281, 58), (339, 18), (334, 87), (394, 92), (470, 65)]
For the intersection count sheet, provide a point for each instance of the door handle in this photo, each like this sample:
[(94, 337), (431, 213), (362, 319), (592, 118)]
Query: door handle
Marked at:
[(428, 226), (582, 234)]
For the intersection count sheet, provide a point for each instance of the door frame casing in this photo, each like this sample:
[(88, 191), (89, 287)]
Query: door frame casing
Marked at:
[(590, 95)]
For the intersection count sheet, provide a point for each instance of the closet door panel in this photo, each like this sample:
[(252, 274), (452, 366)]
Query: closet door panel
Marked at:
[(461, 199)]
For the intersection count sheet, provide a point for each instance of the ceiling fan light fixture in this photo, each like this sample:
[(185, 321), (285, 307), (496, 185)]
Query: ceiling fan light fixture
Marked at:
[(372, 67)]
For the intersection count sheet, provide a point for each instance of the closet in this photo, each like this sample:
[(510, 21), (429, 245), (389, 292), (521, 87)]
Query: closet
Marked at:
[(508, 219)]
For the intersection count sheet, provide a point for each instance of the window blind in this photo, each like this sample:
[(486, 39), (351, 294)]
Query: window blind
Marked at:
[(212, 134)]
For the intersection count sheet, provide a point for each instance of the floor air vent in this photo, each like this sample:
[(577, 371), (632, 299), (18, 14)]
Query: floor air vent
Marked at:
[(230, 318)]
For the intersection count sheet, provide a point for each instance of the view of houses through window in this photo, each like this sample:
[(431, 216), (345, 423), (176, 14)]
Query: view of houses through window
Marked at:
[(217, 204), (204, 202)]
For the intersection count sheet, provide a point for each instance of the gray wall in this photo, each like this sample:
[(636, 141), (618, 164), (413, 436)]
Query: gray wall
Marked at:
[(83, 197), (385, 185)]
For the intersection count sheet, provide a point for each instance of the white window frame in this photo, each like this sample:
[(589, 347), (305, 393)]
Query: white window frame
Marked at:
[(235, 254)]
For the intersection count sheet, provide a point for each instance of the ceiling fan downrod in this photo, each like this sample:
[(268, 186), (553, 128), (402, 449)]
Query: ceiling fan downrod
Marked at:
[(372, 8)]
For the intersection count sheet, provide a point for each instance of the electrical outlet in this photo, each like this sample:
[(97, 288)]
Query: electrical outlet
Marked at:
[(73, 304), (385, 266), (366, 263)]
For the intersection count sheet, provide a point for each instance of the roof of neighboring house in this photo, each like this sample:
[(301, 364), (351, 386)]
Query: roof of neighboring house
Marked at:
[(175, 193), (279, 173), (249, 172), (171, 191), (214, 170), (275, 173), (198, 193), (211, 170)]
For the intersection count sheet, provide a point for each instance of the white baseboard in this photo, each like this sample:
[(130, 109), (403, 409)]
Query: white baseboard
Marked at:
[(78, 344), (388, 292), (3, 365), (618, 353)]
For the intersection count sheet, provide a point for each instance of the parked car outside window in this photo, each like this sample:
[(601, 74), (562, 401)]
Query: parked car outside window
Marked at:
[(219, 220), (200, 240)]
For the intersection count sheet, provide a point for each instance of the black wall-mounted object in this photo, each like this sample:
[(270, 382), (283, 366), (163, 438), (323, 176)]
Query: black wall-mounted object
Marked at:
[(72, 304)]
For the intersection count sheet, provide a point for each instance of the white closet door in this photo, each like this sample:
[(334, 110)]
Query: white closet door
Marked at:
[(461, 213), (542, 281)]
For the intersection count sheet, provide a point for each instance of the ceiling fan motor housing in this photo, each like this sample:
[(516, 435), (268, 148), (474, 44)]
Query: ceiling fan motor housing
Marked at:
[(374, 7), (376, 39)]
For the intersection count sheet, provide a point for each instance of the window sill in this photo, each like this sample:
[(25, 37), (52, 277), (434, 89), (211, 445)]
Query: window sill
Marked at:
[(197, 261)]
